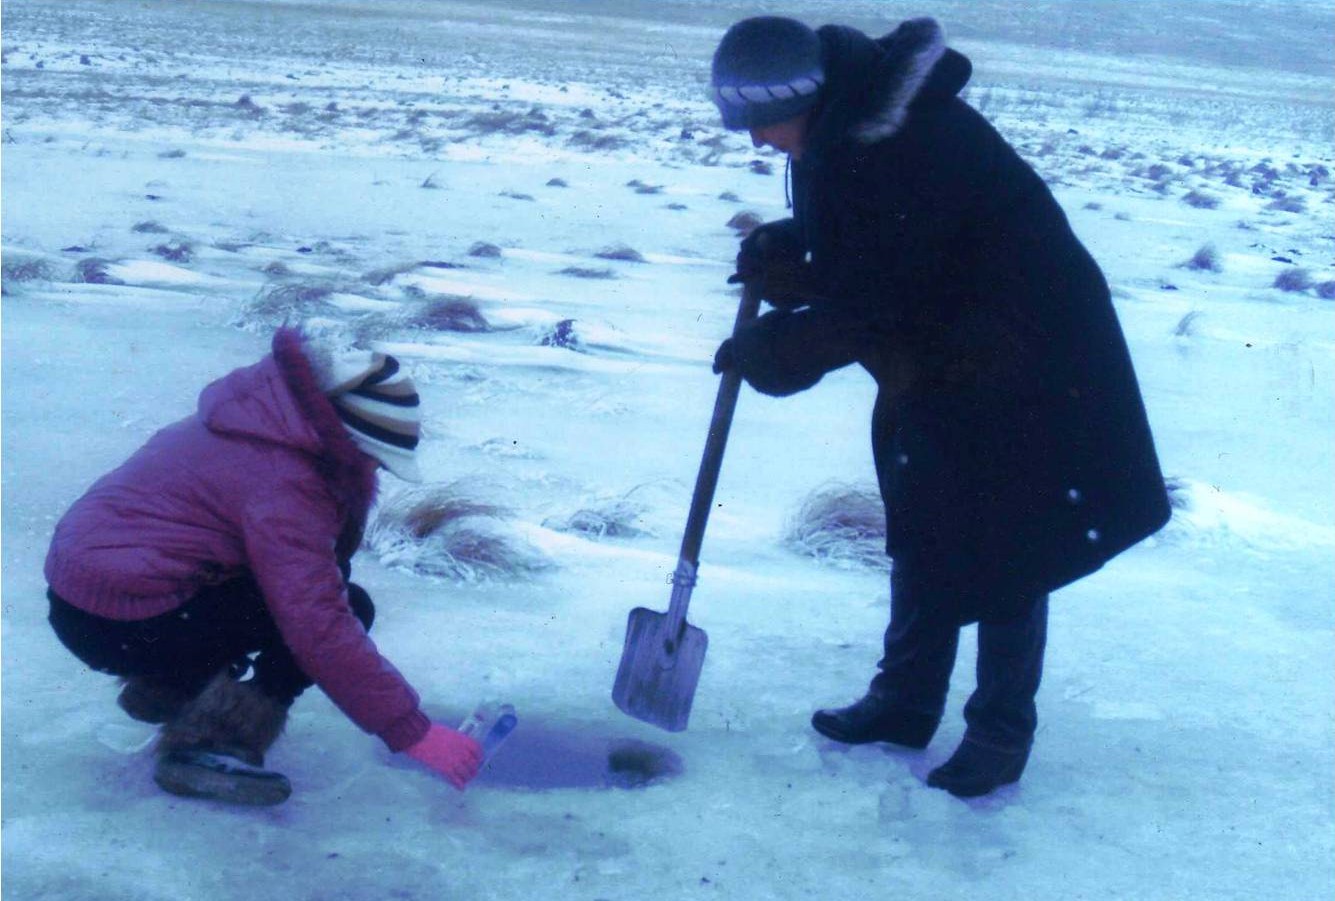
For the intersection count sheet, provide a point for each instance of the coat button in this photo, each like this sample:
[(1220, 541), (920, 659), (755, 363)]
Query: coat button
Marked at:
[(1093, 535), (902, 459), (1074, 496)]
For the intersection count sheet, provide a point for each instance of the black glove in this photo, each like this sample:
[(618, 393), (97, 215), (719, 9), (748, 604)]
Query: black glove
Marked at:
[(725, 357), (772, 256), (767, 245), (781, 353)]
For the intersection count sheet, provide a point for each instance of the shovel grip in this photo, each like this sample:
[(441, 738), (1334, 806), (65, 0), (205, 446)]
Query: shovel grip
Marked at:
[(712, 461)]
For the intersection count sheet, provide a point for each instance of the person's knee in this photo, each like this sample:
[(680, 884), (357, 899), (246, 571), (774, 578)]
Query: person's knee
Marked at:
[(361, 604)]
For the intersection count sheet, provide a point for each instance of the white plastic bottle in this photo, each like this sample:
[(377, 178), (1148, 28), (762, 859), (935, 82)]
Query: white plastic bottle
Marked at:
[(489, 725)]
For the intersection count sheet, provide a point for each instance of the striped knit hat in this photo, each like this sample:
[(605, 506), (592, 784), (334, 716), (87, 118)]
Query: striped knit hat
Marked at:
[(766, 70), (376, 402)]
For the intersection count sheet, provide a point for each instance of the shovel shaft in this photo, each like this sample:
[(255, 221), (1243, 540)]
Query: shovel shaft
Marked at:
[(712, 461)]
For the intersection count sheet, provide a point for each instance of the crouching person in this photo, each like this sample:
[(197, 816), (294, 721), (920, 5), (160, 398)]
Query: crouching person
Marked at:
[(229, 536)]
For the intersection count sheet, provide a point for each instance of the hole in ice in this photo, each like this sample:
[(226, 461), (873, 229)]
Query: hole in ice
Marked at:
[(544, 754)]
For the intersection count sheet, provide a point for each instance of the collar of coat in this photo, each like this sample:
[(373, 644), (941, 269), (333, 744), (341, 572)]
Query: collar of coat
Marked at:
[(350, 473), (871, 85)]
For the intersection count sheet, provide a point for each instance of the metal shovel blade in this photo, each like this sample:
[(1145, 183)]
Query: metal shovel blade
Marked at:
[(660, 666)]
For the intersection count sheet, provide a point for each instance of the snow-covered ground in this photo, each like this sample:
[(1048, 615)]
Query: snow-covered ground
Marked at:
[(180, 176)]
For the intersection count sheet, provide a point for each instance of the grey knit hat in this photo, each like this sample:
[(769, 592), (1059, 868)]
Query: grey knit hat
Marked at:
[(766, 70)]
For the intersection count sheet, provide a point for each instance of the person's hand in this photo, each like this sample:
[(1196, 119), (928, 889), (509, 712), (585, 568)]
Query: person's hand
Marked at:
[(725, 357), (451, 754), (767, 245)]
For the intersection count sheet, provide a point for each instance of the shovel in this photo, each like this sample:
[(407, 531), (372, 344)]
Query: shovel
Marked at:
[(663, 655)]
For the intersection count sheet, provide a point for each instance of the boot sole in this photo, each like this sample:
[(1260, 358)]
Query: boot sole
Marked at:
[(218, 777)]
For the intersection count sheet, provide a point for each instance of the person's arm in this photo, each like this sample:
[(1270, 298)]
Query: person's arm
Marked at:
[(290, 532), (782, 352)]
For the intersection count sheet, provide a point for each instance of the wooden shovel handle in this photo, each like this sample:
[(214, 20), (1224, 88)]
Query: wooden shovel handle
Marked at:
[(707, 480)]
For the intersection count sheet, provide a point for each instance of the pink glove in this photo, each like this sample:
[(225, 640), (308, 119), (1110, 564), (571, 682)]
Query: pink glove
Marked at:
[(455, 756)]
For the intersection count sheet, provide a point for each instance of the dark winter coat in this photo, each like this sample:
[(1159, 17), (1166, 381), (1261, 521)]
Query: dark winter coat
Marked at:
[(262, 480), (1010, 438)]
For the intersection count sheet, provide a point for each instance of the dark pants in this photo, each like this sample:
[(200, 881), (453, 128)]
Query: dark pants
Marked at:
[(920, 648), (183, 649)]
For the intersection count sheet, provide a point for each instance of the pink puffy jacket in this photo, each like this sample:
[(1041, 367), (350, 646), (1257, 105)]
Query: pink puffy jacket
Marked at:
[(262, 479)]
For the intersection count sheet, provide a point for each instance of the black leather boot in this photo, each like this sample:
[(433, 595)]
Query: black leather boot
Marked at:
[(875, 718), (976, 769)]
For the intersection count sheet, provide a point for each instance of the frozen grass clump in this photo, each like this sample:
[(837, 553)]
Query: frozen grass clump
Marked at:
[(386, 274), (1294, 280), (586, 272), (1186, 326), (449, 532), (642, 188), (281, 304), (1288, 205), (620, 252), (557, 183), (745, 222), (606, 517), (177, 251), (1206, 259), (484, 250), (446, 313), (1326, 290), (512, 123), (1200, 200), (95, 271), (840, 524), (148, 227), (20, 267), (561, 334), (1178, 492)]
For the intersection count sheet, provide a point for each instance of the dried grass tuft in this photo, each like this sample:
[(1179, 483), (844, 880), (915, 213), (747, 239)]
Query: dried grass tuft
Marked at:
[(607, 517), (1200, 200), (287, 303), (620, 252), (841, 524), (745, 222), (586, 272), (93, 271), (447, 531), (1294, 280), (446, 313), (23, 268), (1206, 259), (484, 250)]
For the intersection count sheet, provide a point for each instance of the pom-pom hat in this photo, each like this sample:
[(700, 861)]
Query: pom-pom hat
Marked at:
[(376, 402), (766, 70)]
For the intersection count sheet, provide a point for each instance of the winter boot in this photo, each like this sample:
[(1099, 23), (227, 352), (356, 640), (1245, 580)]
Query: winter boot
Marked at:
[(214, 748), (976, 769), (875, 718), (151, 700)]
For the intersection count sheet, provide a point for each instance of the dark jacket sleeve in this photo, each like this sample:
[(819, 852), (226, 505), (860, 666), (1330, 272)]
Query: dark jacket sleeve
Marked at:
[(783, 352)]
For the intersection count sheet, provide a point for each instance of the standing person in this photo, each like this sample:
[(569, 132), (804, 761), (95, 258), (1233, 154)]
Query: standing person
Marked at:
[(1010, 440), (231, 533)]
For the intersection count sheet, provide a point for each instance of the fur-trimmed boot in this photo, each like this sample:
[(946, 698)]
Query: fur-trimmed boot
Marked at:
[(214, 748), (151, 700)]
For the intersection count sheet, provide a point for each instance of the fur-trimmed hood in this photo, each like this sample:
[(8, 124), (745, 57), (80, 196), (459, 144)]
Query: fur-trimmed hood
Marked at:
[(872, 86), (278, 400)]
